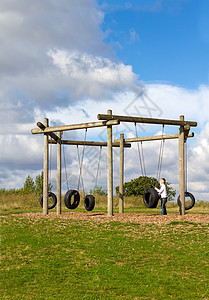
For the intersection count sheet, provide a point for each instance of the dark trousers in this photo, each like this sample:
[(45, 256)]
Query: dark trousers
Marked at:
[(163, 207)]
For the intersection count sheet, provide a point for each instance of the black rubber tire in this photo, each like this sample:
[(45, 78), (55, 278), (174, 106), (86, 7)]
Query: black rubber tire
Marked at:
[(187, 194), (151, 198), (54, 197), (68, 197), (89, 202)]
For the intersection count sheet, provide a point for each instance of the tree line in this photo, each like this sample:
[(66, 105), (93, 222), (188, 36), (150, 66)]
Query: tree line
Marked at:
[(30, 186)]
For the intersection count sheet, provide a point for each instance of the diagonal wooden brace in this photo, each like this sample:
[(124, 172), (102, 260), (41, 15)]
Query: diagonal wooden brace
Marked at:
[(53, 135)]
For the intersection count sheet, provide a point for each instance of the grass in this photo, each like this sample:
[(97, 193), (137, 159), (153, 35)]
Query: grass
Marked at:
[(18, 203), (68, 259)]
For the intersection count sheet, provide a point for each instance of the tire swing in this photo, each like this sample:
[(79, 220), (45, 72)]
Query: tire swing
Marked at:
[(50, 194), (54, 200), (150, 197), (89, 200), (70, 194), (186, 194)]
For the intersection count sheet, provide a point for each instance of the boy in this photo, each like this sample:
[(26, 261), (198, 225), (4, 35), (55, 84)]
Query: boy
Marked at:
[(163, 193)]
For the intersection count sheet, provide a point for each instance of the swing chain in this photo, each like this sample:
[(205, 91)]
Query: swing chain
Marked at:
[(98, 167), (50, 162), (141, 155), (66, 175), (160, 158), (186, 167), (80, 161)]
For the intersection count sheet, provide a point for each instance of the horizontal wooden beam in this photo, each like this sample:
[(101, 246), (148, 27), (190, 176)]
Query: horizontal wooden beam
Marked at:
[(145, 120), (154, 138), (89, 143), (53, 135), (75, 126)]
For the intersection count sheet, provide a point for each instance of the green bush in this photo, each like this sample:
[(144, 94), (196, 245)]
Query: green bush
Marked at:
[(136, 187), (97, 190)]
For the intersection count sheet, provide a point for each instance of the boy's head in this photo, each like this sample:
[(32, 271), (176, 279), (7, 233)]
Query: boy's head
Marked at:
[(162, 180)]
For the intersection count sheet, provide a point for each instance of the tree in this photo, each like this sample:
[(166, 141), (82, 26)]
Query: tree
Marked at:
[(39, 184), (136, 187), (29, 185), (97, 190)]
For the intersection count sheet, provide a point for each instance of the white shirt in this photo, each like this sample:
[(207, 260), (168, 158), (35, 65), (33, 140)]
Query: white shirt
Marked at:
[(162, 191)]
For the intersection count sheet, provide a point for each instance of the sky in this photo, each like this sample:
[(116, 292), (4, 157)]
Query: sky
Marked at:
[(70, 60)]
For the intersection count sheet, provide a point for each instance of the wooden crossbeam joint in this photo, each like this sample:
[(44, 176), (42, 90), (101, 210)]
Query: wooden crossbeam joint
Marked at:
[(186, 132), (53, 135)]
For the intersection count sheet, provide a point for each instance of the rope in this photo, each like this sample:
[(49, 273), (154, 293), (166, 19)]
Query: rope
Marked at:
[(98, 167), (160, 158), (80, 161), (140, 158), (50, 163), (143, 160), (186, 167), (66, 176)]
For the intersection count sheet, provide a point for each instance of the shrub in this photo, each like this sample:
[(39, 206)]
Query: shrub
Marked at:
[(97, 190), (136, 187)]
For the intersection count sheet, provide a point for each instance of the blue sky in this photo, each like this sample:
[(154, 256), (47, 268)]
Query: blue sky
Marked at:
[(164, 41)]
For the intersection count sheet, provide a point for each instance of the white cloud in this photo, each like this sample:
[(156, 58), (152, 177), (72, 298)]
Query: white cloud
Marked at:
[(52, 55), (94, 76)]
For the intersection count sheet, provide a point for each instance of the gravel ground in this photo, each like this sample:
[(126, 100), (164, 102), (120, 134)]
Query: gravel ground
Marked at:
[(124, 218)]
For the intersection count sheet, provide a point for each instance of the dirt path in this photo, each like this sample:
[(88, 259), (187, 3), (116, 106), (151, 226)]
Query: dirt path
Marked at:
[(124, 218)]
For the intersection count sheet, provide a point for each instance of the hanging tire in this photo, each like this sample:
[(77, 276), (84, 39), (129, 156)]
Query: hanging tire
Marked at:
[(187, 207), (89, 202), (68, 197), (151, 198), (54, 198)]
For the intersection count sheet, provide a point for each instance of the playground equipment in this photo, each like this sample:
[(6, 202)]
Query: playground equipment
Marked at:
[(89, 200), (110, 120)]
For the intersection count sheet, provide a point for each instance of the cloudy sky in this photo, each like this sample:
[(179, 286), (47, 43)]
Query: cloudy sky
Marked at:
[(70, 60)]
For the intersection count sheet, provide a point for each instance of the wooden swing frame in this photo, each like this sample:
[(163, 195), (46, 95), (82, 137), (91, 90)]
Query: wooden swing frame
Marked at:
[(110, 120)]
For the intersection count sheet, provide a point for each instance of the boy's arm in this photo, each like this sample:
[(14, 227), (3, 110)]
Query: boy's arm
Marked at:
[(160, 190)]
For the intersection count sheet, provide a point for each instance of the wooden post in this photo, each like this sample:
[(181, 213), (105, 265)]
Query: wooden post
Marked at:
[(59, 193), (121, 175), (109, 169), (181, 169), (46, 170)]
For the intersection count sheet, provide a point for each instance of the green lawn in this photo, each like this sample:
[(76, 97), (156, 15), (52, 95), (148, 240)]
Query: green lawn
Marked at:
[(68, 259)]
